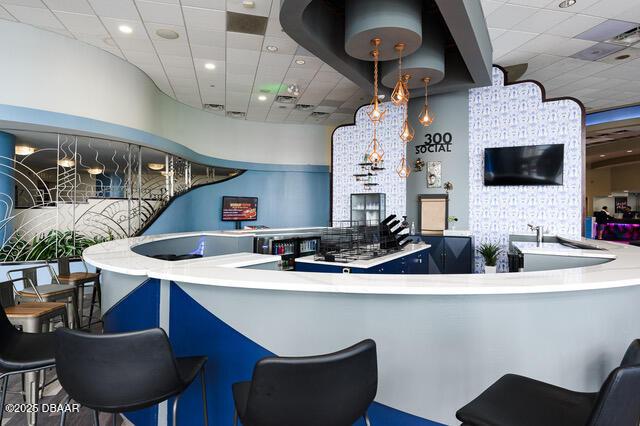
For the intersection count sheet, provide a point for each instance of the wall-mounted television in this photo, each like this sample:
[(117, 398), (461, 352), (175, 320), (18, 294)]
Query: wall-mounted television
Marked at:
[(236, 209), (524, 165)]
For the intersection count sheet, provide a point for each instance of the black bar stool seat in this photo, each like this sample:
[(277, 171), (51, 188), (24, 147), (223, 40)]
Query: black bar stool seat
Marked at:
[(520, 401), (118, 373), (27, 351), (528, 401)]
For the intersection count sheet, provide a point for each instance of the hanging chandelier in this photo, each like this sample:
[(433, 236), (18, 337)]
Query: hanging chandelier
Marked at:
[(375, 112), (400, 94), (407, 133), (426, 116), (377, 153), (403, 168)]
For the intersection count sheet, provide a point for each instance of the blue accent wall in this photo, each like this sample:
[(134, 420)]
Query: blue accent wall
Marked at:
[(285, 199), (618, 114), (139, 310), (7, 183), (231, 358)]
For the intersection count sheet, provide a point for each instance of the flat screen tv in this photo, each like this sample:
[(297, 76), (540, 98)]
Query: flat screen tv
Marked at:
[(238, 209), (524, 165)]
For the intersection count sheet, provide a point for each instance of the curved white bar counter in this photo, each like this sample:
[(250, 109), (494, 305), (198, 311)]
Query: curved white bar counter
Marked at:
[(442, 339)]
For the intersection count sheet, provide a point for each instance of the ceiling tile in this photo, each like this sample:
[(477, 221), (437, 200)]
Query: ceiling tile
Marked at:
[(488, 6), (5, 15), (82, 24), (169, 47), (515, 57), (262, 7), (243, 57), (34, 16), (162, 13), (206, 4), (244, 41), (112, 25), (532, 3), (575, 25), (578, 7), (122, 9), (134, 44), (74, 6), (26, 3), (543, 20), (555, 45), (215, 53), (207, 37), (609, 8), (511, 40), (208, 19), (508, 16)]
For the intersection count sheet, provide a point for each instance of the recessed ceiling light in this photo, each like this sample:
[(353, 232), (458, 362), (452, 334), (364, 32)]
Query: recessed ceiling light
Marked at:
[(602, 155), (271, 48), (155, 166), (95, 170), (210, 66), (567, 3), (629, 150), (167, 34), (125, 29), (300, 61), (24, 150), (262, 98), (248, 4), (66, 162), (622, 57)]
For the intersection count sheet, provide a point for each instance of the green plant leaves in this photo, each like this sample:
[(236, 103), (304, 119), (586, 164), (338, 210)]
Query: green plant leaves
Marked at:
[(48, 246)]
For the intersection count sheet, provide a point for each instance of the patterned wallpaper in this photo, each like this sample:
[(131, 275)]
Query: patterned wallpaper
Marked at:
[(350, 143), (515, 115)]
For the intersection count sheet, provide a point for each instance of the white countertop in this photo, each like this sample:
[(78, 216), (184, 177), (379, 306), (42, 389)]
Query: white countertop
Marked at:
[(369, 263), (117, 256), (236, 260), (557, 249)]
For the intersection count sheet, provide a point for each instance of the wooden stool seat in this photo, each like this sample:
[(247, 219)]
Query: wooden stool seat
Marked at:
[(78, 277), (33, 309), (48, 290)]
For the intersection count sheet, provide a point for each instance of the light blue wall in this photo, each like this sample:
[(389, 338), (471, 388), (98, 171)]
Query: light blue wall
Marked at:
[(7, 183), (286, 199)]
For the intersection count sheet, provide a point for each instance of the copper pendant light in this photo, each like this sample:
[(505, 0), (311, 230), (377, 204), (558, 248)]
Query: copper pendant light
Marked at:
[(377, 153), (375, 113), (400, 94), (403, 168), (426, 116), (407, 133)]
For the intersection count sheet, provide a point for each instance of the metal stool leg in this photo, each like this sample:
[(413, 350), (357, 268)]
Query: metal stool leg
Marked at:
[(3, 394), (63, 416), (366, 419), (96, 418), (204, 397), (235, 417), (175, 410), (31, 386)]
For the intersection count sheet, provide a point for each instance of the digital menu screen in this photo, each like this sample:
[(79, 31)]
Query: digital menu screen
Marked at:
[(239, 208)]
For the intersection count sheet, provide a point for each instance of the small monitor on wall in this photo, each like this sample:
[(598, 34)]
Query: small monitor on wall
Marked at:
[(524, 165), (236, 209)]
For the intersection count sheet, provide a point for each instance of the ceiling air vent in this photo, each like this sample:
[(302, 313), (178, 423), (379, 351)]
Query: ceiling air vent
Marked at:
[(286, 99), (236, 114), (214, 107), (304, 107), (628, 38), (318, 114)]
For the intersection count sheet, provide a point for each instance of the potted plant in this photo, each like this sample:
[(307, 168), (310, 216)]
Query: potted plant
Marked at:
[(490, 253), (452, 222)]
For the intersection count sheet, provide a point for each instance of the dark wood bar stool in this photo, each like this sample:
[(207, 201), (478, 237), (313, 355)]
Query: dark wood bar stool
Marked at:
[(26, 352), (52, 292), (79, 280), (334, 389), (118, 373), (518, 400)]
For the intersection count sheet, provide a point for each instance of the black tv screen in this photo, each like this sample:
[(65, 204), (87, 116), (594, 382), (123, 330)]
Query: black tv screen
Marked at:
[(239, 208), (524, 165)]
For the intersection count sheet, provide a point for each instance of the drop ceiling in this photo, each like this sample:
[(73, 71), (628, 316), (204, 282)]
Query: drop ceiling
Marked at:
[(547, 38), (612, 144), (245, 70), (536, 32)]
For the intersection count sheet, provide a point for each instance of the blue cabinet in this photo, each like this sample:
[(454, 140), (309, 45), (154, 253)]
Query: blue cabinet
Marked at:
[(450, 255), (414, 263)]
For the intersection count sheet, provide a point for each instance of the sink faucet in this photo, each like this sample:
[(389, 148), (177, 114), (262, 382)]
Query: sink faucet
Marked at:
[(538, 230)]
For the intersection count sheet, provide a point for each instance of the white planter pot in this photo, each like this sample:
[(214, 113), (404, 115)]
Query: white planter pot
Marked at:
[(489, 269)]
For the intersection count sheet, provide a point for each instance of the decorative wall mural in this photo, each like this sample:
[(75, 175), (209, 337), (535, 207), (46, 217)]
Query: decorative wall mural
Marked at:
[(514, 115), (72, 192), (434, 174), (350, 144)]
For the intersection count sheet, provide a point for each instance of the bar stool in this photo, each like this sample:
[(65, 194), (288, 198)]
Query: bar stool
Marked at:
[(518, 400), (117, 373), (31, 317), (79, 280), (53, 292), (334, 389), (24, 353)]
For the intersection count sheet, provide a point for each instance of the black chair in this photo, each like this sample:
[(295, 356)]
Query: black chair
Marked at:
[(516, 400), (23, 353), (117, 373), (334, 389)]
